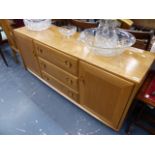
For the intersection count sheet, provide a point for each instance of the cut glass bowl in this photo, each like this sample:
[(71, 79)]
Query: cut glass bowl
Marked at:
[(124, 40)]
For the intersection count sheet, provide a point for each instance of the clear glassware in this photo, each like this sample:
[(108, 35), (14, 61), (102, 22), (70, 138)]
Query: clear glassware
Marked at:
[(106, 43), (37, 24), (68, 30), (106, 35)]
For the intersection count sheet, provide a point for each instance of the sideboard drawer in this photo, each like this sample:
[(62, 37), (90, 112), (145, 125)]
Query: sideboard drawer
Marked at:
[(55, 83), (65, 77), (60, 59)]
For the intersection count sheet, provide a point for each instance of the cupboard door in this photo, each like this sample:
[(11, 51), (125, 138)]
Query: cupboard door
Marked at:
[(103, 94), (26, 48)]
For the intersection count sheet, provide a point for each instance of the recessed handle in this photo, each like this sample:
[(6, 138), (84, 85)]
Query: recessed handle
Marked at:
[(46, 78), (34, 53), (41, 51), (69, 81), (68, 64), (71, 94), (81, 80), (44, 65)]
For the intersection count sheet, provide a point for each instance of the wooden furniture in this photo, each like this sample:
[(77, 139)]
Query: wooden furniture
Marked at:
[(143, 39), (82, 24), (2, 41), (60, 22), (6, 26), (145, 118), (3, 57), (102, 86), (144, 23), (16, 23), (126, 23)]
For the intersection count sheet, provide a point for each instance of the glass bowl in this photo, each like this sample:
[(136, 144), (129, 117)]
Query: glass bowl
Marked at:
[(124, 40), (68, 30), (37, 24)]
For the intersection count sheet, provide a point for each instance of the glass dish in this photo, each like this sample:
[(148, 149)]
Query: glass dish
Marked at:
[(98, 43), (68, 30), (37, 24)]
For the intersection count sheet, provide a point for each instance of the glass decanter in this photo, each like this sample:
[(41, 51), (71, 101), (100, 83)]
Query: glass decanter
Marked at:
[(106, 35)]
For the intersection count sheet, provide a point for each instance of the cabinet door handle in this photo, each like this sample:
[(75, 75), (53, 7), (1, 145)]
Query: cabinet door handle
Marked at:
[(81, 79)]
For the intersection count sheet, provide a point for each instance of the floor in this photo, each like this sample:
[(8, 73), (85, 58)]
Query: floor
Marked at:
[(29, 107)]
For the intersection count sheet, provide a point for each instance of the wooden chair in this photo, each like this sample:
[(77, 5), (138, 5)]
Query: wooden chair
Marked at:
[(81, 24), (59, 22), (145, 24), (16, 23), (6, 26), (2, 41), (1, 53), (145, 118), (125, 23), (143, 39)]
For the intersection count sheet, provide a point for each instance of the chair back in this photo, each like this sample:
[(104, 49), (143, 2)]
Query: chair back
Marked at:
[(143, 38), (125, 23), (6, 26), (81, 25)]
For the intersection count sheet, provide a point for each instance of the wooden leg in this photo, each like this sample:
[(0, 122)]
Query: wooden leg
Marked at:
[(2, 55), (135, 119), (130, 126), (15, 56)]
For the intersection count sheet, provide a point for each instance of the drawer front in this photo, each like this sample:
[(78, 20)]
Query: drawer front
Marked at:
[(55, 83), (60, 59), (58, 73)]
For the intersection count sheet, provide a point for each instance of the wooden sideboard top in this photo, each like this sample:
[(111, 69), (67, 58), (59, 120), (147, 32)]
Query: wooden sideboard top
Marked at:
[(132, 65)]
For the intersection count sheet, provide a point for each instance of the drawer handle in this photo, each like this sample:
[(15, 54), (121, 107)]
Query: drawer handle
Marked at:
[(68, 64), (41, 51), (69, 81), (34, 53), (70, 94), (44, 65), (46, 78)]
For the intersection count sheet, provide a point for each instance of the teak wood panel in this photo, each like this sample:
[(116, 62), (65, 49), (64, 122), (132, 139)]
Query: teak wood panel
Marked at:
[(58, 85), (63, 76), (26, 47), (104, 94), (64, 61)]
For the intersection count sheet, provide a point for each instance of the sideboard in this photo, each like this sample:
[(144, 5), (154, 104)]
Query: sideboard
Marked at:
[(104, 87)]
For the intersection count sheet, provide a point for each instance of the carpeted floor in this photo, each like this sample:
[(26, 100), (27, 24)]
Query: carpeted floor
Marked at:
[(29, 107)]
